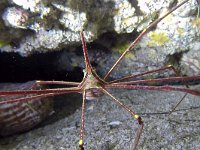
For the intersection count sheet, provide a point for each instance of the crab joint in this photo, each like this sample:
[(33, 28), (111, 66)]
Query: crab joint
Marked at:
[(81, 145), (136, 116)]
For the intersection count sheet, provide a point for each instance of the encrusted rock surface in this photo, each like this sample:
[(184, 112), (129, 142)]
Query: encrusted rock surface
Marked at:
[(54, 25)]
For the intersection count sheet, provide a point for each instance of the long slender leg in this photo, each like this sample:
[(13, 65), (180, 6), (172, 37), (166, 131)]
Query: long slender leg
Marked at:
[(135, 116), (81, 147), (85, 52), (183, 79), (159, 80), (139, 37), (174, 108), (170, 67), (156, 88), (35, 97), (159, 88), (45, 91), (56, 82)]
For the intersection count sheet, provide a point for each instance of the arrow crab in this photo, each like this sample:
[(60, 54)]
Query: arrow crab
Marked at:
[(93, 86)]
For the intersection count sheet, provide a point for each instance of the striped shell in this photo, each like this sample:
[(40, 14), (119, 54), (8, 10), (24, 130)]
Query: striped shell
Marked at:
[(22, 116)]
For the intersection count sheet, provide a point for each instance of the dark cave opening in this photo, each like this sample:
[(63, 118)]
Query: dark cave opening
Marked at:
[(43, 66)]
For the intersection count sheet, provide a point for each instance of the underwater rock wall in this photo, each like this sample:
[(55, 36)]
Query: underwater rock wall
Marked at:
[(41, 26)]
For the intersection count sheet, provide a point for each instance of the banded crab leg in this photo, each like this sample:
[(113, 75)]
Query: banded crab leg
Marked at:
[(176, 79), (57, 82), (132, 45), (134, 115), (35, 94), (157, 88), (159, 80), (170, 67), (30, 98), (81, 147), (45, 91)]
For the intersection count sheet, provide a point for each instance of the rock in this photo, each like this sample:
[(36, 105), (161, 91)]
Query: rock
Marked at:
[(55, 25), (181, 129)]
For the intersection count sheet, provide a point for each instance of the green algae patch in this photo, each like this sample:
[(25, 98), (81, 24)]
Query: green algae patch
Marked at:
[(120, 48), (3, 43), (158, 38)]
